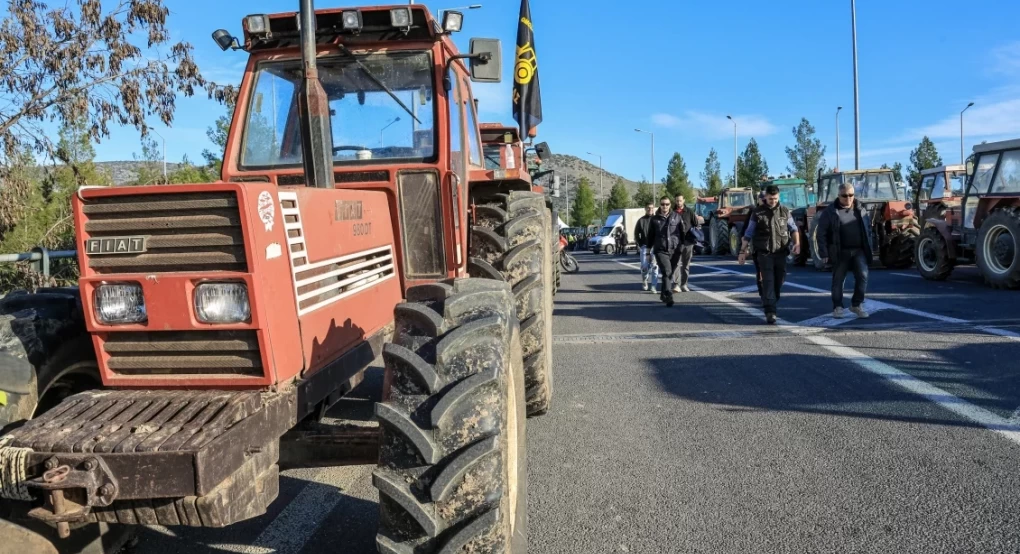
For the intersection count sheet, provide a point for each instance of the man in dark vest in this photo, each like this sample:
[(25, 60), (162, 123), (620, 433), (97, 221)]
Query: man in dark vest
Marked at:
[(770, 229)]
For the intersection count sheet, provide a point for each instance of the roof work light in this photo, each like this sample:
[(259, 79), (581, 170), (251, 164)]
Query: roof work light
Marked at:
[(257, 25), (352, 20), (401, 18), (452, 21)]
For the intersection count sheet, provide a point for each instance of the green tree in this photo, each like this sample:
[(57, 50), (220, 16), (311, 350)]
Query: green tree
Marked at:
[(925, 156), (752, 167), (644, 194), (677, 181), (582, 212), (808, 155), (618, 197), (187, 172), (217, 133), (711, 177), (897, 169)]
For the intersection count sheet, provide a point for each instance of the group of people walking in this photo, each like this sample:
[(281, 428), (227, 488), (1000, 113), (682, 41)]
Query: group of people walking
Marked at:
[(666, 239)]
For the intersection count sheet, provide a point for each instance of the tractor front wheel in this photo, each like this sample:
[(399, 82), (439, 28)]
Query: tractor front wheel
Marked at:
[(719, 235), (897, 250), (997, 249), (932, 255)]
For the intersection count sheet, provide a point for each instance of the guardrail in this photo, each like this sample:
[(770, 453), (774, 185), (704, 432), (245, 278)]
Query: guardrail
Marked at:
[(39, 257)]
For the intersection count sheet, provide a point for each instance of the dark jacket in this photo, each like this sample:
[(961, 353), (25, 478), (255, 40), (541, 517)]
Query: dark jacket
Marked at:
[(670, 231), (771, 234), (828, 230), (643, 230)]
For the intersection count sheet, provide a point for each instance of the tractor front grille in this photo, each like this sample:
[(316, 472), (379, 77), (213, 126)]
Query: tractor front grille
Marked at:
[(183, 232), (161, 353)]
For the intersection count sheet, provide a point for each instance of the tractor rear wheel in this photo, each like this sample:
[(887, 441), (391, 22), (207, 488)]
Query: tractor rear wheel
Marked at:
[(997, 249), (509, 243), (897, 250), (805, 252), (452, 473), (932, 255), (719, 235), (813, 242), (735, 239)]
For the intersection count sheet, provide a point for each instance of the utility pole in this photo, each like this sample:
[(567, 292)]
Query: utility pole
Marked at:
[(734, 150), (837, 136), (857, 106), (962, 158), (654, 187)]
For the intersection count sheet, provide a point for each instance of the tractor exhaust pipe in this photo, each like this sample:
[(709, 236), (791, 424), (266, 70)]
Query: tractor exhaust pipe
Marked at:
[(313, 107)]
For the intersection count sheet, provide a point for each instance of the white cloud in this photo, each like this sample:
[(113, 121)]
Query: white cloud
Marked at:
[(1006, 59), (714, 126), (982, 120)]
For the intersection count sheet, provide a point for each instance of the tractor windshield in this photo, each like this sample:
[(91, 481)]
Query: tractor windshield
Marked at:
[(739, 199), (368, 123), (793, 197), (705, 208), (958, 180), (492, 154), (873, 186)]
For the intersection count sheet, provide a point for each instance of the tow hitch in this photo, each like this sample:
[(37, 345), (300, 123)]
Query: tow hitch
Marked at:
[(73, 489)]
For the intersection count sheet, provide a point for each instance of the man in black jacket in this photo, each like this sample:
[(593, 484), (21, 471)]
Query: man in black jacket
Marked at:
[(642, 236), (673, 245), (770, 229), (844, 234)]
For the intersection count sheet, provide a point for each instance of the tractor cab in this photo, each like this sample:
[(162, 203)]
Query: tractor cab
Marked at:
[(941, 189), (729, 219), (793, 194)]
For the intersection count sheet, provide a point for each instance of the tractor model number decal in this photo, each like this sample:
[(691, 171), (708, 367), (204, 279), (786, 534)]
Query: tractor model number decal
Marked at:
[(348, 210), (362, 229)]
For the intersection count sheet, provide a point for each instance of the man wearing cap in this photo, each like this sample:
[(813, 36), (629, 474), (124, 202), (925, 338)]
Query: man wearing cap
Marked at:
[(770, 230)]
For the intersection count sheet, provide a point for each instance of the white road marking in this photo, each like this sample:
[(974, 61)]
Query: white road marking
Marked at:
[(914, 275), (1015, 418), (742, 290), (1007, 428)]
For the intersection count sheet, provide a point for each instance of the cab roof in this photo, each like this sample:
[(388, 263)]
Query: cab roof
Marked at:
[(1001, 145), (785, 182), (496, 132), (858, 171), (376, 27), (942, 169)]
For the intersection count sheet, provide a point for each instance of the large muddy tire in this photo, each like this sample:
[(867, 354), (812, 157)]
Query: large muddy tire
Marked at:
[(708, 240), (736, 232), (998, 246), (898, 250), (508, 243), (46, 354), (452, 474), (813, 239), (801, 259), (719, 235), (932, 255)]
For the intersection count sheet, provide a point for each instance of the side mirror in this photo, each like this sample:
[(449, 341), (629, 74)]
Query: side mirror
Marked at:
[(224, 40), (543, 151), (486, 60)]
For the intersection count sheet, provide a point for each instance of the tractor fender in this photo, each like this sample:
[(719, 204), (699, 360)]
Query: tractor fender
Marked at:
[(943, 229)]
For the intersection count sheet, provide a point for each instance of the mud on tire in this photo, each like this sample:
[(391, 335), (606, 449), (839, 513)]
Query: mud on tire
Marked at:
[(998, 246), (509, 242), (932, 255), (898, 250), (452, 473)]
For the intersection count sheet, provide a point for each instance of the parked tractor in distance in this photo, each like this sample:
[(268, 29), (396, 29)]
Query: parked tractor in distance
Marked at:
[(793, 194), (941, 190), (985, 226), (703, 208), (729, 219), (894, 228), (224, 317)]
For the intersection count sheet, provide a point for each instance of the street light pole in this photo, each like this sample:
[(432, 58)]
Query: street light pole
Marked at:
[(735, 167), (962, 159), (602, 191), (857, 107), (384, 128), (164, 153), (654, 187), (837, 136)]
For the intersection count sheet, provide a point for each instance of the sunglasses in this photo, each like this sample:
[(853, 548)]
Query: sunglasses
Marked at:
[(846, 196), (664, 204)]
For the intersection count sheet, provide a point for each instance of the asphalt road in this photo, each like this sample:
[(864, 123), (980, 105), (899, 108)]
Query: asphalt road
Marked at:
[(697, 428)]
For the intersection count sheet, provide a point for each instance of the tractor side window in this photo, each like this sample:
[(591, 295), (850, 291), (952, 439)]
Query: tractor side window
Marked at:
[(473, 138), (272, 104), (983, 173), (1007, 180), (958, 181), (456, 132), (935, 185)]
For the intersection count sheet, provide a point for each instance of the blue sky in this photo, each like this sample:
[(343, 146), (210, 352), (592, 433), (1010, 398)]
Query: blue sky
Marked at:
[(678, 67)]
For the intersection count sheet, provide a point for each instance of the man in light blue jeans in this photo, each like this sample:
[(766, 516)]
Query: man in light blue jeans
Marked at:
[(649, 269)]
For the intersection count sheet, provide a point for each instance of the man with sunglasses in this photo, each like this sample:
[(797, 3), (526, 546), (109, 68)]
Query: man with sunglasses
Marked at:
[(844, 235), (671, 244)]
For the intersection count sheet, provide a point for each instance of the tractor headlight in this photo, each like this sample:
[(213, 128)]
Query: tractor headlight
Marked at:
[(352, 20), (401, 18), (222, 303), (257, 24), (453, 21), (119, 303)]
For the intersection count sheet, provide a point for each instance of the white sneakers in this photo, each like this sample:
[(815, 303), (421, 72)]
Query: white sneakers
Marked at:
[(838, 313), (859, 311), (685, 288), (676, 288)]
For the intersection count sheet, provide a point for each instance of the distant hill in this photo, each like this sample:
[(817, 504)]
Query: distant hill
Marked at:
[(122, 173), (571, 169)]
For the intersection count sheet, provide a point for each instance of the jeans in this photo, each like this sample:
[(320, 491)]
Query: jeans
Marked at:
[(682, 258), (846, 260), (649, 269), (772, 268), (666, 271)]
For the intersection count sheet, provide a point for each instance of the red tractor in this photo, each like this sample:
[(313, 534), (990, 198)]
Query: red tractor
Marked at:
[(703, 208), (728, 221), (984, 227), (941, 190), (224, 317), (894, 227)]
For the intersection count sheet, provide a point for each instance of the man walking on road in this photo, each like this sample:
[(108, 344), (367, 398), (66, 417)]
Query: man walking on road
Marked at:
[(687, 242), (770, 229), (671, 242), (643, 238), (844, 235)]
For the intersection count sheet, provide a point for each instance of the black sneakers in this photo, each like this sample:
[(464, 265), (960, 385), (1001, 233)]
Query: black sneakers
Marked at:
[(770, 319)]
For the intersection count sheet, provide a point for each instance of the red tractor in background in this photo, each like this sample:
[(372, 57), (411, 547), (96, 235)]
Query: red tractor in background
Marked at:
[(703, 208), (729, 220), (894, 227), (222, 317), (941, 190), (984, 227)]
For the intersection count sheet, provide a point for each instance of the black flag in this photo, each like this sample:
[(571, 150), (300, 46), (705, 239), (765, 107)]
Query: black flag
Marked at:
[(527, 97)]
